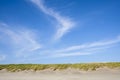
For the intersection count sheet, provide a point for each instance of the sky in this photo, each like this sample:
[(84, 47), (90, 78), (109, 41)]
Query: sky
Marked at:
[(59, 31)]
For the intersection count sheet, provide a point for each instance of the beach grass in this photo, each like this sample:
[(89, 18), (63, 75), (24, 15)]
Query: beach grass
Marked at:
[(81, 66)]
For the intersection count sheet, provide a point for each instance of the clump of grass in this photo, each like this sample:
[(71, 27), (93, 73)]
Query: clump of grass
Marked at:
[(35, 67)]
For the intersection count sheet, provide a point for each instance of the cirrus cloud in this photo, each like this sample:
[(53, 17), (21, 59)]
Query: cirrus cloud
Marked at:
[(22, 41), (64, 25)]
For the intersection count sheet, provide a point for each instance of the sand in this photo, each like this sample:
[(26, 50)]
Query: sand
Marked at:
[(68, 74)]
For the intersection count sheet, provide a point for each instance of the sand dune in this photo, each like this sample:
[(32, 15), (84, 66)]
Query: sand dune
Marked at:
[(68, 74)]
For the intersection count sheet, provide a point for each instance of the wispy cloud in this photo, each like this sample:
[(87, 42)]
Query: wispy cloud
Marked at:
[(91, 45), (64, 23), (23, 41), (2, 57), (68, 54), (85, 49)]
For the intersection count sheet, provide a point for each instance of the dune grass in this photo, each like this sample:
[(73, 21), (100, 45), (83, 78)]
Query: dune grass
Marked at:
[(35, 67)]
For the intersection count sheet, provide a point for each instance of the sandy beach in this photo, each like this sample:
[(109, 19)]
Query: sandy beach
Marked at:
[(68, 74)]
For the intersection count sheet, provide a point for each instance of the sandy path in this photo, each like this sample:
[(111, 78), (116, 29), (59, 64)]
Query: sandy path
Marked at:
[(61, 75)]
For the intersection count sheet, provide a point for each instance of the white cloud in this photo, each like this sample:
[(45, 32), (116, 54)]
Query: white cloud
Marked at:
[(64, 23), (23, 41), (84, 49), (97, 44), (68, 54), (2, 57)]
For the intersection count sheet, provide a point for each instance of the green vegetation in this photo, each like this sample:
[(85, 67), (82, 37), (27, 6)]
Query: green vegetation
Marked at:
[(35, 67)]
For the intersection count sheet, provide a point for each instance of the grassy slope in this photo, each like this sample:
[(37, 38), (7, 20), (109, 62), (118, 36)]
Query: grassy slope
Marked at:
[(82, 66)]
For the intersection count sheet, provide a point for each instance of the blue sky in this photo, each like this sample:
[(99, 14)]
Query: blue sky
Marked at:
[(59, 31)]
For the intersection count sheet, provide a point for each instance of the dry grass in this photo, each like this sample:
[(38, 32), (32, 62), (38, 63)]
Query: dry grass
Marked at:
[(35, 67)]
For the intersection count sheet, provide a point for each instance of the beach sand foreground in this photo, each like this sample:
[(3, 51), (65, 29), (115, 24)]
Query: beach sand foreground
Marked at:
[(68, 74)]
